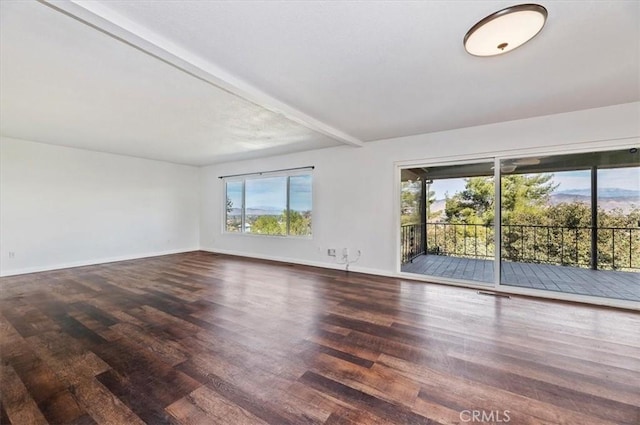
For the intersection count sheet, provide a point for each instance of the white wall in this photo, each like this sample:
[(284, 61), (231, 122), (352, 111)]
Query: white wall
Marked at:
[(62, 207), (355, 198)]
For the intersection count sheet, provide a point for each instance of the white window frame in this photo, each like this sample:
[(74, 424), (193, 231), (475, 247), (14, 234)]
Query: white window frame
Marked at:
[(257, 176)]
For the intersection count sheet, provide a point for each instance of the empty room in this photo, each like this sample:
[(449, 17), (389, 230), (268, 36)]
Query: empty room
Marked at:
[(319, 212)]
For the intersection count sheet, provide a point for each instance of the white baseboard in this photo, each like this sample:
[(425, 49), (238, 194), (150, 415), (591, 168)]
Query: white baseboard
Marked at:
[(513, 290), (325, 265), (93, 262)]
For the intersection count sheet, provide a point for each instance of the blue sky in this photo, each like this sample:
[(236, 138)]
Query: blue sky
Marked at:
[(271, 192), (625, 178)]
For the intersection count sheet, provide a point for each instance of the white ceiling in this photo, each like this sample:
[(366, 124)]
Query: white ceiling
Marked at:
[(65, 83), (364, 70)]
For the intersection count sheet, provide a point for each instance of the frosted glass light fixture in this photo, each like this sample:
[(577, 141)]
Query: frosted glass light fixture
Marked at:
[(505, 30)]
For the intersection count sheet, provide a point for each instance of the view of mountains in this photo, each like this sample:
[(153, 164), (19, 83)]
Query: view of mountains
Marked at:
[(608, 192), (608, 199), (261, 210)]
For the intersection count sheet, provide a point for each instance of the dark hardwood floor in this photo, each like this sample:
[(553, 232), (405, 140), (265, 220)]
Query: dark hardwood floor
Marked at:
[(200, 338)]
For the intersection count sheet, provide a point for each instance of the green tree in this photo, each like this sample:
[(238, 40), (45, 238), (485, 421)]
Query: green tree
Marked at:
[(569, 215), (619, 239), (229, 205), (524, 199), (522, 196), (268, 225), (474, 205), (299, 223), (565, 237), (233, 222), (411, 198)]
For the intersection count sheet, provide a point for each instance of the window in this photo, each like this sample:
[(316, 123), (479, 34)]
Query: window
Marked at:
[(278, 204)]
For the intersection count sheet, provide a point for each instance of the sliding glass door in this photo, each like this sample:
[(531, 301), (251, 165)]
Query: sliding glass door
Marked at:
[(566, 223), (570, 223)]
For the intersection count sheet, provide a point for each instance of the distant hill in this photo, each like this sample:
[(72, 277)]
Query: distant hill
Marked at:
[(606, 203), (608, 199), (607, 192), (437, 205), (256, 211)]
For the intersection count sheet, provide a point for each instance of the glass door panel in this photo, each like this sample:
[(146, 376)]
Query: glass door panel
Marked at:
[(570, 223), (447, 215)]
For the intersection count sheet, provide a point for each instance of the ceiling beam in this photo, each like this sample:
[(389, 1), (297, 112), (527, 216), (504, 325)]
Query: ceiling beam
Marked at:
[(124, 30)]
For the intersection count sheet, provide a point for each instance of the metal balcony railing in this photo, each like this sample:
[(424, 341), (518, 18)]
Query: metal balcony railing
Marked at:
[(618, 248), (412, 241)]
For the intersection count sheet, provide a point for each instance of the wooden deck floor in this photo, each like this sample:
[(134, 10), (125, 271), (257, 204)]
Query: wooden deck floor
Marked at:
[(601, 283), (199, 338)]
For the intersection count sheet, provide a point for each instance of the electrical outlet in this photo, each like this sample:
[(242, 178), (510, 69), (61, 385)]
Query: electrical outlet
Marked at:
[(12, 254), (331, 252)]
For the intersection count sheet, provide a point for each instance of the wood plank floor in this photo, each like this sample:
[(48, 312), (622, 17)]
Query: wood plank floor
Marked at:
[(199, 338)]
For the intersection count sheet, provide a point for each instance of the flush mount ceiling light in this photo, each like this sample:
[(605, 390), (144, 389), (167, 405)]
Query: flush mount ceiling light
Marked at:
[(508, 168), (505, 30), (527, 161)]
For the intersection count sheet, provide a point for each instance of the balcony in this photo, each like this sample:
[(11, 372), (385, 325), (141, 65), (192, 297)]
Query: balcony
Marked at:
[(551, 258)]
